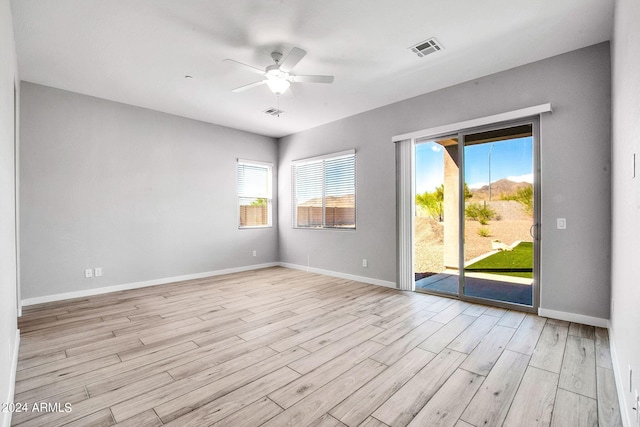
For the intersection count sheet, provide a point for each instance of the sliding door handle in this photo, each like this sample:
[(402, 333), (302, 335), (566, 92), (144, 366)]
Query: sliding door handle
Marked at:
[(533, 231)]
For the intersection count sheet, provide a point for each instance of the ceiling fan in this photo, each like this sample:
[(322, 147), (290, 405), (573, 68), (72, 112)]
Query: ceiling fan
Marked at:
[(278, 76)]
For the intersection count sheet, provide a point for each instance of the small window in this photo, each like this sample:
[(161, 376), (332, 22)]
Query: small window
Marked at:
[(324, 191), (254, 194)]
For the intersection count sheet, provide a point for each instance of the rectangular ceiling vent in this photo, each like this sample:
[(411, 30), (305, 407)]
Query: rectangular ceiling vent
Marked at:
[(273, 112), (426, 47)]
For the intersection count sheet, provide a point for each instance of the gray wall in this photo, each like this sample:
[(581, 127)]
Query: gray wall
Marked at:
[(143, 195), (8, 302), (625, 315), (575, 162)]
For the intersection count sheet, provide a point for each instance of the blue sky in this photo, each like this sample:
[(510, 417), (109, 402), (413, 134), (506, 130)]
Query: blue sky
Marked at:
[(512, 159)]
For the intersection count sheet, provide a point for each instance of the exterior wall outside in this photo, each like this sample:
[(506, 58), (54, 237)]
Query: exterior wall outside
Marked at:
[(451, 205)]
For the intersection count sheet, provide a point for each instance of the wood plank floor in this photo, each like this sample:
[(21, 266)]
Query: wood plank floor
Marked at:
[(281, 347)]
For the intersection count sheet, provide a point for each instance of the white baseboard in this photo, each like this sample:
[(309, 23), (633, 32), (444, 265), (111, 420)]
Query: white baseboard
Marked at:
[(5, 417), (620, 380), (353, 277), (136, 285), (573, 317)]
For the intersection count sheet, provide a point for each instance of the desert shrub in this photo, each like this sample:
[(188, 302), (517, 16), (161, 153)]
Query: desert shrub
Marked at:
[(433, 202), (524, 196), (259, 202), (484, 232), (480, 212)]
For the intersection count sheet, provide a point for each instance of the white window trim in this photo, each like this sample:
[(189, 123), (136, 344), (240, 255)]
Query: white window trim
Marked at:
[(522, 113), (308, 160), (269, 191), (337, 155)]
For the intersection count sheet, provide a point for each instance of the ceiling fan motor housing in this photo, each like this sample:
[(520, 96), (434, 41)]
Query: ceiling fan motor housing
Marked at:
[(276, 56)]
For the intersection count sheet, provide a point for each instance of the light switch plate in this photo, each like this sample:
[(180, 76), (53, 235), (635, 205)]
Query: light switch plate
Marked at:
[(562, 223)]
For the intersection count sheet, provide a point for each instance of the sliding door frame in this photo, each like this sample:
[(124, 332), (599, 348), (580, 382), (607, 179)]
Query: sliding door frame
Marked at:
[(534, 121)]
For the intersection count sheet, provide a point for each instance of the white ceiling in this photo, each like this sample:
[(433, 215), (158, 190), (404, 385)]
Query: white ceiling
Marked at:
[(139, 51)]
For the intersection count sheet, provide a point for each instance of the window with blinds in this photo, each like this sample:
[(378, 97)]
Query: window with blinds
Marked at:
[(254, 194), (324, 191)]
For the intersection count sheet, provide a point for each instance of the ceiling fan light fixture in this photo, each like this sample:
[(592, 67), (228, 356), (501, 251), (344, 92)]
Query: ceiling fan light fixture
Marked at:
[(278, 85)]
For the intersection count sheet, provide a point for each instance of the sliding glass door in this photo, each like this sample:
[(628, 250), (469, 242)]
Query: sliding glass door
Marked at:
[(475, 224), (437, 220), (500, 214)]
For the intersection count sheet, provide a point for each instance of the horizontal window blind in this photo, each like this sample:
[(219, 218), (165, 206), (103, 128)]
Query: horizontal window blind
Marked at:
[(254, 194), (324, 191)]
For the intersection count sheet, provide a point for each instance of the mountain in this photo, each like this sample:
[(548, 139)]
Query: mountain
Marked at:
[(498, 188)]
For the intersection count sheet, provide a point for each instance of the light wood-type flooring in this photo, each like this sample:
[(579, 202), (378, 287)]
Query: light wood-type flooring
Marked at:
[(281, 347)]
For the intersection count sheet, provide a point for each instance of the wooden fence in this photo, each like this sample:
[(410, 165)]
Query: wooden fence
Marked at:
[(252, 216), (311, 216)]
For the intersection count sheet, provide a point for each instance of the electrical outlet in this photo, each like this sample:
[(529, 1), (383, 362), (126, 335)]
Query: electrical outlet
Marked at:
[(255, 253), (97, 272), (365, 263), (88, 273)]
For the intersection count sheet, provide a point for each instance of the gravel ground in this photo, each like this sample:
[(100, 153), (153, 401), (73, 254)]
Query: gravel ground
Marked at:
[(429, 240)]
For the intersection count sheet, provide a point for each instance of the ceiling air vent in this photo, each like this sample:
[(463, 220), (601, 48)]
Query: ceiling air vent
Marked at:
[(273, 112), (426, 47)]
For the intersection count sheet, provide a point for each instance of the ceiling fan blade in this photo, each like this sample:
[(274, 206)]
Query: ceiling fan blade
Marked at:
[(249, 86), (312, 79), (292, 59), (248, 67)]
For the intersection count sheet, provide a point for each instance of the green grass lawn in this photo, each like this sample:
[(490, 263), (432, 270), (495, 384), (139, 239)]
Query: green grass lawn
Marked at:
[(518, 262)]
